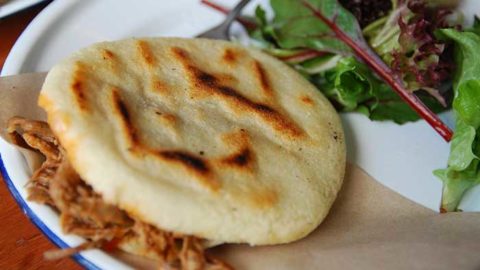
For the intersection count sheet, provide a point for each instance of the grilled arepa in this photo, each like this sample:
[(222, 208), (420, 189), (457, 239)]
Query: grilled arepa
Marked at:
[(199, 137)]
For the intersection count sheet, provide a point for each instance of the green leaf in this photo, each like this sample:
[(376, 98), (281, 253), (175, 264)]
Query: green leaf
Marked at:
[(467, 78), (261, 16), (467, 102), (320, 64), (382, 35), (295, 26), (264, 34), (463, 170), (467, 56), (462, 155), (353, 87), (456, 183), (476, 26), (348, 84)]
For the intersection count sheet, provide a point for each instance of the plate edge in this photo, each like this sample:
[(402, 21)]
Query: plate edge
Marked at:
[(38, 222)]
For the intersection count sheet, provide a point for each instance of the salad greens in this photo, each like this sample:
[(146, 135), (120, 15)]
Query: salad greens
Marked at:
[(294, 26), (463, 170), (326, 27), (351, 86), (406, 41)]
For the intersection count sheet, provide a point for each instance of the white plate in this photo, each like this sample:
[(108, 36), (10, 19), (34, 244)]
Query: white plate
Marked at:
[(400, 157), (13, 6)]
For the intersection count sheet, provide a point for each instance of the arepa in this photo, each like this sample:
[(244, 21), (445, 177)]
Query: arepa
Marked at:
[(200, 137)]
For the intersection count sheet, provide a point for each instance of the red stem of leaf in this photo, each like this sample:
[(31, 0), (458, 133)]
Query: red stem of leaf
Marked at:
[(246, 23), (387, 75)]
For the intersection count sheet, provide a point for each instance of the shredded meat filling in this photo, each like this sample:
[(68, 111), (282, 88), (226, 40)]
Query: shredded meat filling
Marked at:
[(36, 135), (83, 212)]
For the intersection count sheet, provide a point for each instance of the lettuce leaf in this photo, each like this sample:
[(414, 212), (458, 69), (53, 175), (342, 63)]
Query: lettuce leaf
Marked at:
[(463, 171), (327, 27), (352, 87), (406, 41), (297, 28)]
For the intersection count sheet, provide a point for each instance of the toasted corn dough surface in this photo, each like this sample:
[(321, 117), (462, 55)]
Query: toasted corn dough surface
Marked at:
[(199, 137)]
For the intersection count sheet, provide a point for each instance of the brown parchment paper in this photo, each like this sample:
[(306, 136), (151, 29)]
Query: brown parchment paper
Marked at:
[(369, 226)]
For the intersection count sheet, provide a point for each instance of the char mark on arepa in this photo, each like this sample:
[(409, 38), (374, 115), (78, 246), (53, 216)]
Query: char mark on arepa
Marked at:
[(145, 53), (230, 56), (307, 100), (262, 77), (213, 85), (78, 86), (122, 111), (107, 54), (241, 159), (190, 161), (193, 165)]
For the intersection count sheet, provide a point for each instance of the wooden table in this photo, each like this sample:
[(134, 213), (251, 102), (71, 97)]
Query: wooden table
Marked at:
[(21, 243)]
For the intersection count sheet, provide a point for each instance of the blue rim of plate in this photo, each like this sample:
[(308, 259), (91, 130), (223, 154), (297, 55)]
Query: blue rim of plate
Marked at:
[(38, 222)]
